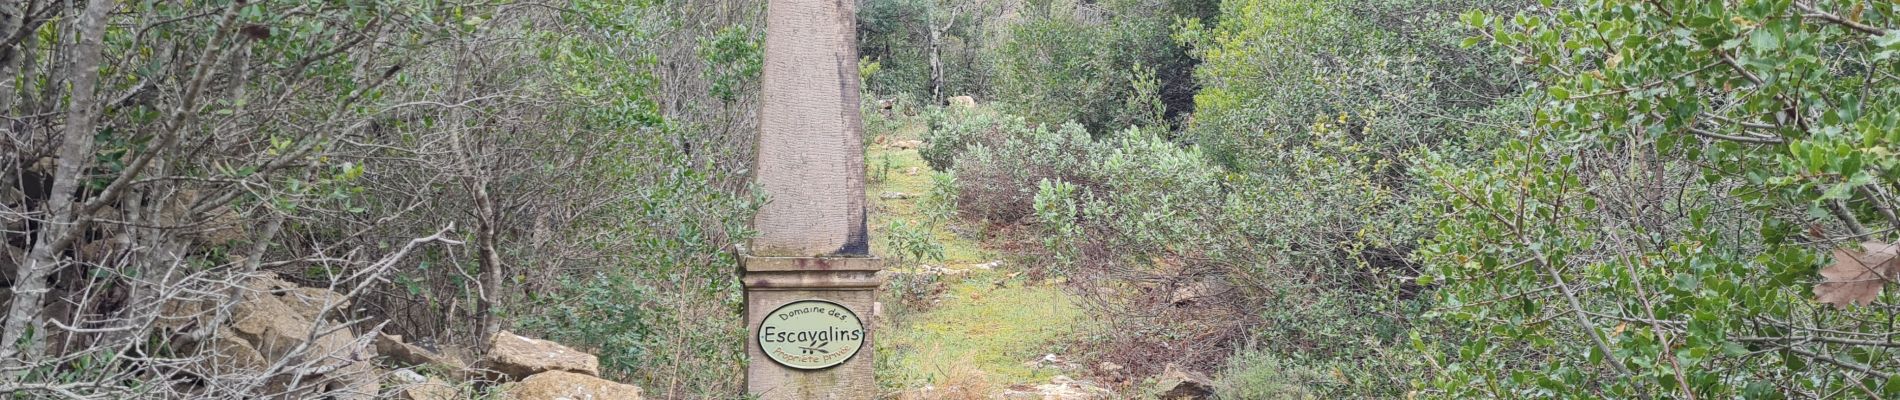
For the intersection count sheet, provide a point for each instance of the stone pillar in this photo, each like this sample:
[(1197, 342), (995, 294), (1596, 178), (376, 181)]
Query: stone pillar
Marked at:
[(809, 280)]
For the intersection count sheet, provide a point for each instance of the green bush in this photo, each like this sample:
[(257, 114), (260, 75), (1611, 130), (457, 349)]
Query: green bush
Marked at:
[(953, 130), (1657, 231), (1105, 65), (1262, 375), (996, 181)]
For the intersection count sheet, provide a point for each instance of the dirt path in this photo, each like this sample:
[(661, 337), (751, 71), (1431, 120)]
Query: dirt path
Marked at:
[(967, 326)]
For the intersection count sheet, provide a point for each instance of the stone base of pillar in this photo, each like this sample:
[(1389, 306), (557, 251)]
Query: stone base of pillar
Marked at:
[(772, 282)]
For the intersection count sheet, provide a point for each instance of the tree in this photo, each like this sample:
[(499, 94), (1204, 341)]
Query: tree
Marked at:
[(443, 164)]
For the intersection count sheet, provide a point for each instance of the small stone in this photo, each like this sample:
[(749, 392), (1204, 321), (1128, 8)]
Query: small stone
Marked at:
[(1191, 293), (519, 357), (562, 385), (1108, 367), (962, 102), (894, 196), (1181, 384), (414, 386)]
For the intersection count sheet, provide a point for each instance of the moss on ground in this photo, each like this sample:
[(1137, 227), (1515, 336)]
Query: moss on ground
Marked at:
[(986, 326)]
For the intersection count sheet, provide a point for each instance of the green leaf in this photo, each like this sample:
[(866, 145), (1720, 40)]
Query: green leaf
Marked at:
[(1559, 93), (1764, 40), (1889, 40)]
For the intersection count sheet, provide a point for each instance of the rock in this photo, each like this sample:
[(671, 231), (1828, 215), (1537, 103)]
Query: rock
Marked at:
[(1060, 388), (928, 269), (355, 381), (912, 171), (332, 365), (1181, 384), (406, 354), (1108, 367), (562, 385), (1193, 292), (989, 265), (1051, 361), (414, 386), (310, 302), (906, 144), (519, 357), (276, 329), (894, 196), (231, 354), (323, 361), (962, 102), (222, 228), (178, 314)]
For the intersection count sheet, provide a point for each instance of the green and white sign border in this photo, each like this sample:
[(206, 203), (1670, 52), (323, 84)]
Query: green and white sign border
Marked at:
[(758, 339)]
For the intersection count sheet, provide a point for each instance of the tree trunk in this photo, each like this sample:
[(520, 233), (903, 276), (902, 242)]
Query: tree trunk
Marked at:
[(936, 67), (47, 254)]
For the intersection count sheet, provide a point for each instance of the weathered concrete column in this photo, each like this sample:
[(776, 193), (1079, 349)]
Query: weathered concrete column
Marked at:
[(809, 279)]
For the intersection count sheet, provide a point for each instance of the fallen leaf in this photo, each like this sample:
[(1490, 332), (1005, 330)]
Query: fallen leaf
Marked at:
[(1856, 277)]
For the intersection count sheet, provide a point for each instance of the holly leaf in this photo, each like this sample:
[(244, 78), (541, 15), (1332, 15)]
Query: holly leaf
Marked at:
[(1856, 277)]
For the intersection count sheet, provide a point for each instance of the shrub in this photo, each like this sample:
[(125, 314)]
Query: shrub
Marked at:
[(996, 182), (1105, 65), (953, 130), (912, 243), (1690, 168), (1262, 375)]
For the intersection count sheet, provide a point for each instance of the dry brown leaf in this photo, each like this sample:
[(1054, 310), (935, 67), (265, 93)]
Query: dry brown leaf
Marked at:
[(1856, 277)]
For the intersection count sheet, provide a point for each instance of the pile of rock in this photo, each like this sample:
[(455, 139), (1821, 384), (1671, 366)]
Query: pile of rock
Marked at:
[(545, 370), (282, 340), (277, 338)]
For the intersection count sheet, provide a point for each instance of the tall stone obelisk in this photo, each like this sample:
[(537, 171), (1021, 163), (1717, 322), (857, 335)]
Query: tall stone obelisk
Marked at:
[(810, 281)]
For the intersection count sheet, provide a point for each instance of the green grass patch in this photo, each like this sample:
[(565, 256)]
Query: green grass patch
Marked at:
[(979, 325), (978, 330)]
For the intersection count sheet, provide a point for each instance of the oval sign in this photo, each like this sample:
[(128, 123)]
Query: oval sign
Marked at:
[(811, 334)]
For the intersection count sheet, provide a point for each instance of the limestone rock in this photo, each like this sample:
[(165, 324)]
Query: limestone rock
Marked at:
[(520, 357), (1181, 384), (414, 386), (962, 102), (562, 385), (223, 227), (276, 329), (357, 380), (231, 354), (1195, 292), (325, 361), (894, 196), (309, 302), (1060, 388), (401, 352)]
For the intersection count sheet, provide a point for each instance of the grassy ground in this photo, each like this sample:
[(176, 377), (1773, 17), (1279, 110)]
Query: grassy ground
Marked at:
[(975, 330)]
